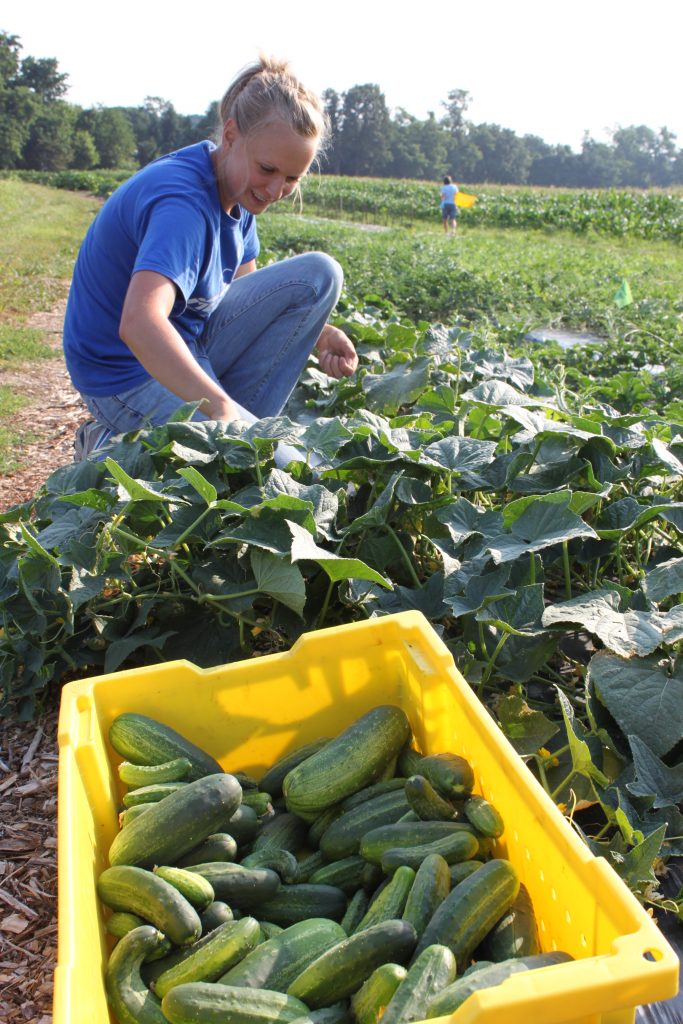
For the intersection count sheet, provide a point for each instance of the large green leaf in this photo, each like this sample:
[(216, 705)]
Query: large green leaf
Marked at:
[(644, 699), (542, 524), (526, 729), (337, 567), (498, 393), (625, 633), (458, 454), (664, 580), (133, 490), (279, 579), (654, 778), (387, 392), (624, 515)]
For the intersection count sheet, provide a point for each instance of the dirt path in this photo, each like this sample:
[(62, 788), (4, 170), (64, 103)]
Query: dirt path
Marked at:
[(48, 421)]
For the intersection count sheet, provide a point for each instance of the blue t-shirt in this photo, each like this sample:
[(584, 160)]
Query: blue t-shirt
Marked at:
[(167, 218), (448, 193)]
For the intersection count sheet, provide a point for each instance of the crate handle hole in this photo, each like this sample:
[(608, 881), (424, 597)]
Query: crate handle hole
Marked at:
[(653, 955)]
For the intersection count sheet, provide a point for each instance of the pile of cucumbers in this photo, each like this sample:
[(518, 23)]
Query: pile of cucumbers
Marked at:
[(353, 881)]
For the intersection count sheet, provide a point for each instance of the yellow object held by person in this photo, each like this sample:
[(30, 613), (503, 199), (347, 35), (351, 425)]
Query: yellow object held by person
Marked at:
[(465, 200)]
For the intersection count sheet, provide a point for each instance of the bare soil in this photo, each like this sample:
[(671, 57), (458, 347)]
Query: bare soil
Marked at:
[(28, 750), (47, 422)]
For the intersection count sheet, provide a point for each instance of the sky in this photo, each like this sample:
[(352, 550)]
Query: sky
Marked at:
[(540, 67)]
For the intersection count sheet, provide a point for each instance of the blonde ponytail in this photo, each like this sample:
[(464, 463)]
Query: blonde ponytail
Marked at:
[(268, 91)]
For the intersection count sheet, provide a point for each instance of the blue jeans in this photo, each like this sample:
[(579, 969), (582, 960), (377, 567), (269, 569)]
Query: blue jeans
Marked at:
[(255, 345)]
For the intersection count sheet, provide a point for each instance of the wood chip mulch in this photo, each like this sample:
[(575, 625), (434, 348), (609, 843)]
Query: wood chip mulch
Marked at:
[(28, 868)]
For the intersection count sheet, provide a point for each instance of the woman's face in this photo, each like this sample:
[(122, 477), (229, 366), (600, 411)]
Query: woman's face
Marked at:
[(256, 170)]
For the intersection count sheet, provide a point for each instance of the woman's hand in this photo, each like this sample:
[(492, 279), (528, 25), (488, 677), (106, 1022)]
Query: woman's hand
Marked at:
[(336, 355)]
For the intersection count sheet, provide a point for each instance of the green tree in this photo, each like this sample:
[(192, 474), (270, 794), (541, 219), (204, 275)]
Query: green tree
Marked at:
[(646, 157), (84, 155), (42, 77), (364, 142), (112, 133), (504, 158), (49, 146), (10, 61), (333, 103)]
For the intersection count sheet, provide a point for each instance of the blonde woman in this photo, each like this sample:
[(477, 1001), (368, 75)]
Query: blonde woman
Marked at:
[(166, 305)]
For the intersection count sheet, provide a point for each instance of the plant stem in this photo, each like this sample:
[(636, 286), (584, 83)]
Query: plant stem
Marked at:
[(567, 570), (565, 782), (404, 555), (192, 526), (486, 674), (326, 602)]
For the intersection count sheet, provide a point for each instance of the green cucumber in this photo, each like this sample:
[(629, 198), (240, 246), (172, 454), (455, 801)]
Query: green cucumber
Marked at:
[(471, 909), (431, 972), (369, 1001), (409, 761), (219, 846), (150, 794), (244, 825), (193, 887), (343, 837), (463, 869), (215, 914), (282, 862), (377, 841), (121, 922), (341, 970), (274, 776), (209, 959), (355, 911), (357, 757), (431, 887), (453, 848), (370, 792), (145, 741), (426, 802), (278, 961), (449, 774), (238, 886), (321, 824), (258, 801), (147, 774), (178, 823), (141, 892), (346, 874), (309, 864), (454, 995), (283, 832), (484, 816), (269, 930), (516, 934), (130, 813), (202, 1002), (391, 902), (128, 996), (292, 903), (337, 1014)]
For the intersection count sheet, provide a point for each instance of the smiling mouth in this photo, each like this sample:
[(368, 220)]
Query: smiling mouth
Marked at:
[(258, 198)]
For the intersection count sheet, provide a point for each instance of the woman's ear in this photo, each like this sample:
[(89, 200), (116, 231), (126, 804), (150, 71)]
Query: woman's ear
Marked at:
[(229, 133)]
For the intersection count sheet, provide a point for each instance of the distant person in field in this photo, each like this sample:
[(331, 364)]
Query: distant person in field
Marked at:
[(449, 211), (166, 305)]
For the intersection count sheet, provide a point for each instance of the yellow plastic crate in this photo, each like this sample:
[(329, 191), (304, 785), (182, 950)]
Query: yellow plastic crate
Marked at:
[(249, 713)]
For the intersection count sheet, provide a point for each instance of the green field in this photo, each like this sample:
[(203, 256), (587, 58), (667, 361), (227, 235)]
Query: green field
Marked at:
[(40, 231), (527, 499)]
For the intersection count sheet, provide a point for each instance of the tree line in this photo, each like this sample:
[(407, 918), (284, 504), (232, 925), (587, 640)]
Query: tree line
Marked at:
[(40, 130)]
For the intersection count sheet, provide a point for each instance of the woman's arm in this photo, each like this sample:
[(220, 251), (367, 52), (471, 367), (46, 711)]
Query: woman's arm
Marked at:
[(147, 331)]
